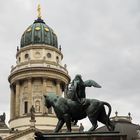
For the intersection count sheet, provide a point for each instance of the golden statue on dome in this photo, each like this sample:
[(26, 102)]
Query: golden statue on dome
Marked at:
[(39, 11)]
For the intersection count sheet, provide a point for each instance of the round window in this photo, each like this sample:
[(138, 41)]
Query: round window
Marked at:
[(26, 55), (49, 55)]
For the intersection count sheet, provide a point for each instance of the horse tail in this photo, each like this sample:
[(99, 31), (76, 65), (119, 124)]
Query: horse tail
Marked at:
[(109, 107)]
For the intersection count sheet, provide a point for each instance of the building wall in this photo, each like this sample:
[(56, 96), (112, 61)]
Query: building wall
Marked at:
[(38, 71), (42, 123)]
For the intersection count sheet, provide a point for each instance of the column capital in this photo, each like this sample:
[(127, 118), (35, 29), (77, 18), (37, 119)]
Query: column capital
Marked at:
[(29, 78), (58, 81), (17, 82), (17, 100), (44, 79)]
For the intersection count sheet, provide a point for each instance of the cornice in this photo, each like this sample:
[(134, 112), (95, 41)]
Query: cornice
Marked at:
[(40, 71)]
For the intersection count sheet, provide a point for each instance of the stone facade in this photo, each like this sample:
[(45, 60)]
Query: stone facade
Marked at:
[(27, 134), (38, 71)]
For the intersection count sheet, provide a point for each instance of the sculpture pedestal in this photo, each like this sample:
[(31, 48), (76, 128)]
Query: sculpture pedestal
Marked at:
[(32, 123), (81, 136)]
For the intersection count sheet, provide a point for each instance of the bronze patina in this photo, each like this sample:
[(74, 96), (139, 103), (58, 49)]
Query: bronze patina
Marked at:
[(76, 107)]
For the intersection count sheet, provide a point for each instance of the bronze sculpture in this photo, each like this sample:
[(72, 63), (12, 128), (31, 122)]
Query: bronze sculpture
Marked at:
[(66, 108), (76, 91), (66, 111)]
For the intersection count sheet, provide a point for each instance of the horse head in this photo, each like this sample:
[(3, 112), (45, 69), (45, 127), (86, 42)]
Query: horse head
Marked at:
[(47, 101), (50, 99)]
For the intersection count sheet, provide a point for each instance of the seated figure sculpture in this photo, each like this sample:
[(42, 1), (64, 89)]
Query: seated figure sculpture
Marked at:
[(76, 92), (66, 108)]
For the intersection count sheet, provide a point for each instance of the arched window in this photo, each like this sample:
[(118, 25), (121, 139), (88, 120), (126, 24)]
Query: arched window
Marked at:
[(37, 106), (49, 55)]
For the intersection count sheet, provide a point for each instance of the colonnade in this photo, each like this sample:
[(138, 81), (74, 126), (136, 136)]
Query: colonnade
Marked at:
[(16, 91)]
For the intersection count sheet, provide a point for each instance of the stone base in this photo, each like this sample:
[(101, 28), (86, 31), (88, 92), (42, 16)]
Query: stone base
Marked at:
[(81, 136)]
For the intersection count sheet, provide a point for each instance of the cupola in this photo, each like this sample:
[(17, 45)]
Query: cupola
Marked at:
[(39, 33)]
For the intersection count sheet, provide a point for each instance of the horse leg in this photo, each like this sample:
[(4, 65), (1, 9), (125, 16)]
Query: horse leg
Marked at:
[(93, 121), (103, 118), (67, 119), (111, 126), (59, 125)]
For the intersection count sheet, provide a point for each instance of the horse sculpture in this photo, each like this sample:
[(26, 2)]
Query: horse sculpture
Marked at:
[(67, 110)]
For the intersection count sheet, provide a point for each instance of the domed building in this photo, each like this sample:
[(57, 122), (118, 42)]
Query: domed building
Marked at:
[(124, 125), (39, 33), (38, 71)]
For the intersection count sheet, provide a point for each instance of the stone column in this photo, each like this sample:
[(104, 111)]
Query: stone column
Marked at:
[(58, 88), (17, 99), (30, 93), (45, 110), (65, 90), (12, 103), (44, 85)]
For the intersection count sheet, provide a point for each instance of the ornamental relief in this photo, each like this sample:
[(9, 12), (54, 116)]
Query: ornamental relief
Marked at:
[(37, 103), (25, 94), (37, 87), (49, 88), (25, 88), (37, 97), (24, 98), (37, 53)]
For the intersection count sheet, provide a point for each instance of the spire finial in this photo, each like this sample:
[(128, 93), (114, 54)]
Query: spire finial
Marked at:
[(39, 11), (129, 114), (116, 113)]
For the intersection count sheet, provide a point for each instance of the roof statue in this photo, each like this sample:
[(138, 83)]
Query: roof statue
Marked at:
[(138, 133), (32, 113), (2, 117), (81, 127), (66, 108)]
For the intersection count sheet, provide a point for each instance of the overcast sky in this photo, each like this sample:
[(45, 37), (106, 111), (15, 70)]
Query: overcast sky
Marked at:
[(100, 40)]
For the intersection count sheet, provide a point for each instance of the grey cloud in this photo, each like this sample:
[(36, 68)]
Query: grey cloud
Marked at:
[(100, 40)]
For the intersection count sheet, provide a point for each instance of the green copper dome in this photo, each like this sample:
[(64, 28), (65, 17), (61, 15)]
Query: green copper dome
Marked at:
[(39, 33)]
